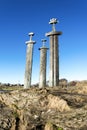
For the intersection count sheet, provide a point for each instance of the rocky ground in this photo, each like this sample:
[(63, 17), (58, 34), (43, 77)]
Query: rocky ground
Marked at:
[(56, 108)]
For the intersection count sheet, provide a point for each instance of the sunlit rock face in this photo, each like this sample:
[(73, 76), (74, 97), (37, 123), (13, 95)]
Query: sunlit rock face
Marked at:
[(56, 108)]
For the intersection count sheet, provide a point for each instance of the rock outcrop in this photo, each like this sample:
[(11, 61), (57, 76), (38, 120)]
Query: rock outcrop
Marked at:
[(43, 109)]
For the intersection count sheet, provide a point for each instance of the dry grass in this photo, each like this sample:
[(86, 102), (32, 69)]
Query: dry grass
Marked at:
[(57, 103), (81, 89), (11, 88), (81, 83)]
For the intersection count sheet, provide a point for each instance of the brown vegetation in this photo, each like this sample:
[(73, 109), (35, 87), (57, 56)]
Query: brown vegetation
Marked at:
[(56, 108)]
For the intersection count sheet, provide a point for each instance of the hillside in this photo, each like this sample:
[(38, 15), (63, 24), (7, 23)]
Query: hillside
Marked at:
[(56, 108)]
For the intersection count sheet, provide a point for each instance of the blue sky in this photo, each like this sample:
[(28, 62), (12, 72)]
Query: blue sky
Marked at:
[(19, 17)]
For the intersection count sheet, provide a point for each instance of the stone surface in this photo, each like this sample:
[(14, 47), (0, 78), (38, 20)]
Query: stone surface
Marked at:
[(51, 73), (56, 61), (54, 58), (29, 62), (54, 54), (28, 70), (43, 63)]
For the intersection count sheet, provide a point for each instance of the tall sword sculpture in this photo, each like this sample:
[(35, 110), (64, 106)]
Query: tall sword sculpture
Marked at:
[(29, 61), (43, 62), (54, 54)]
